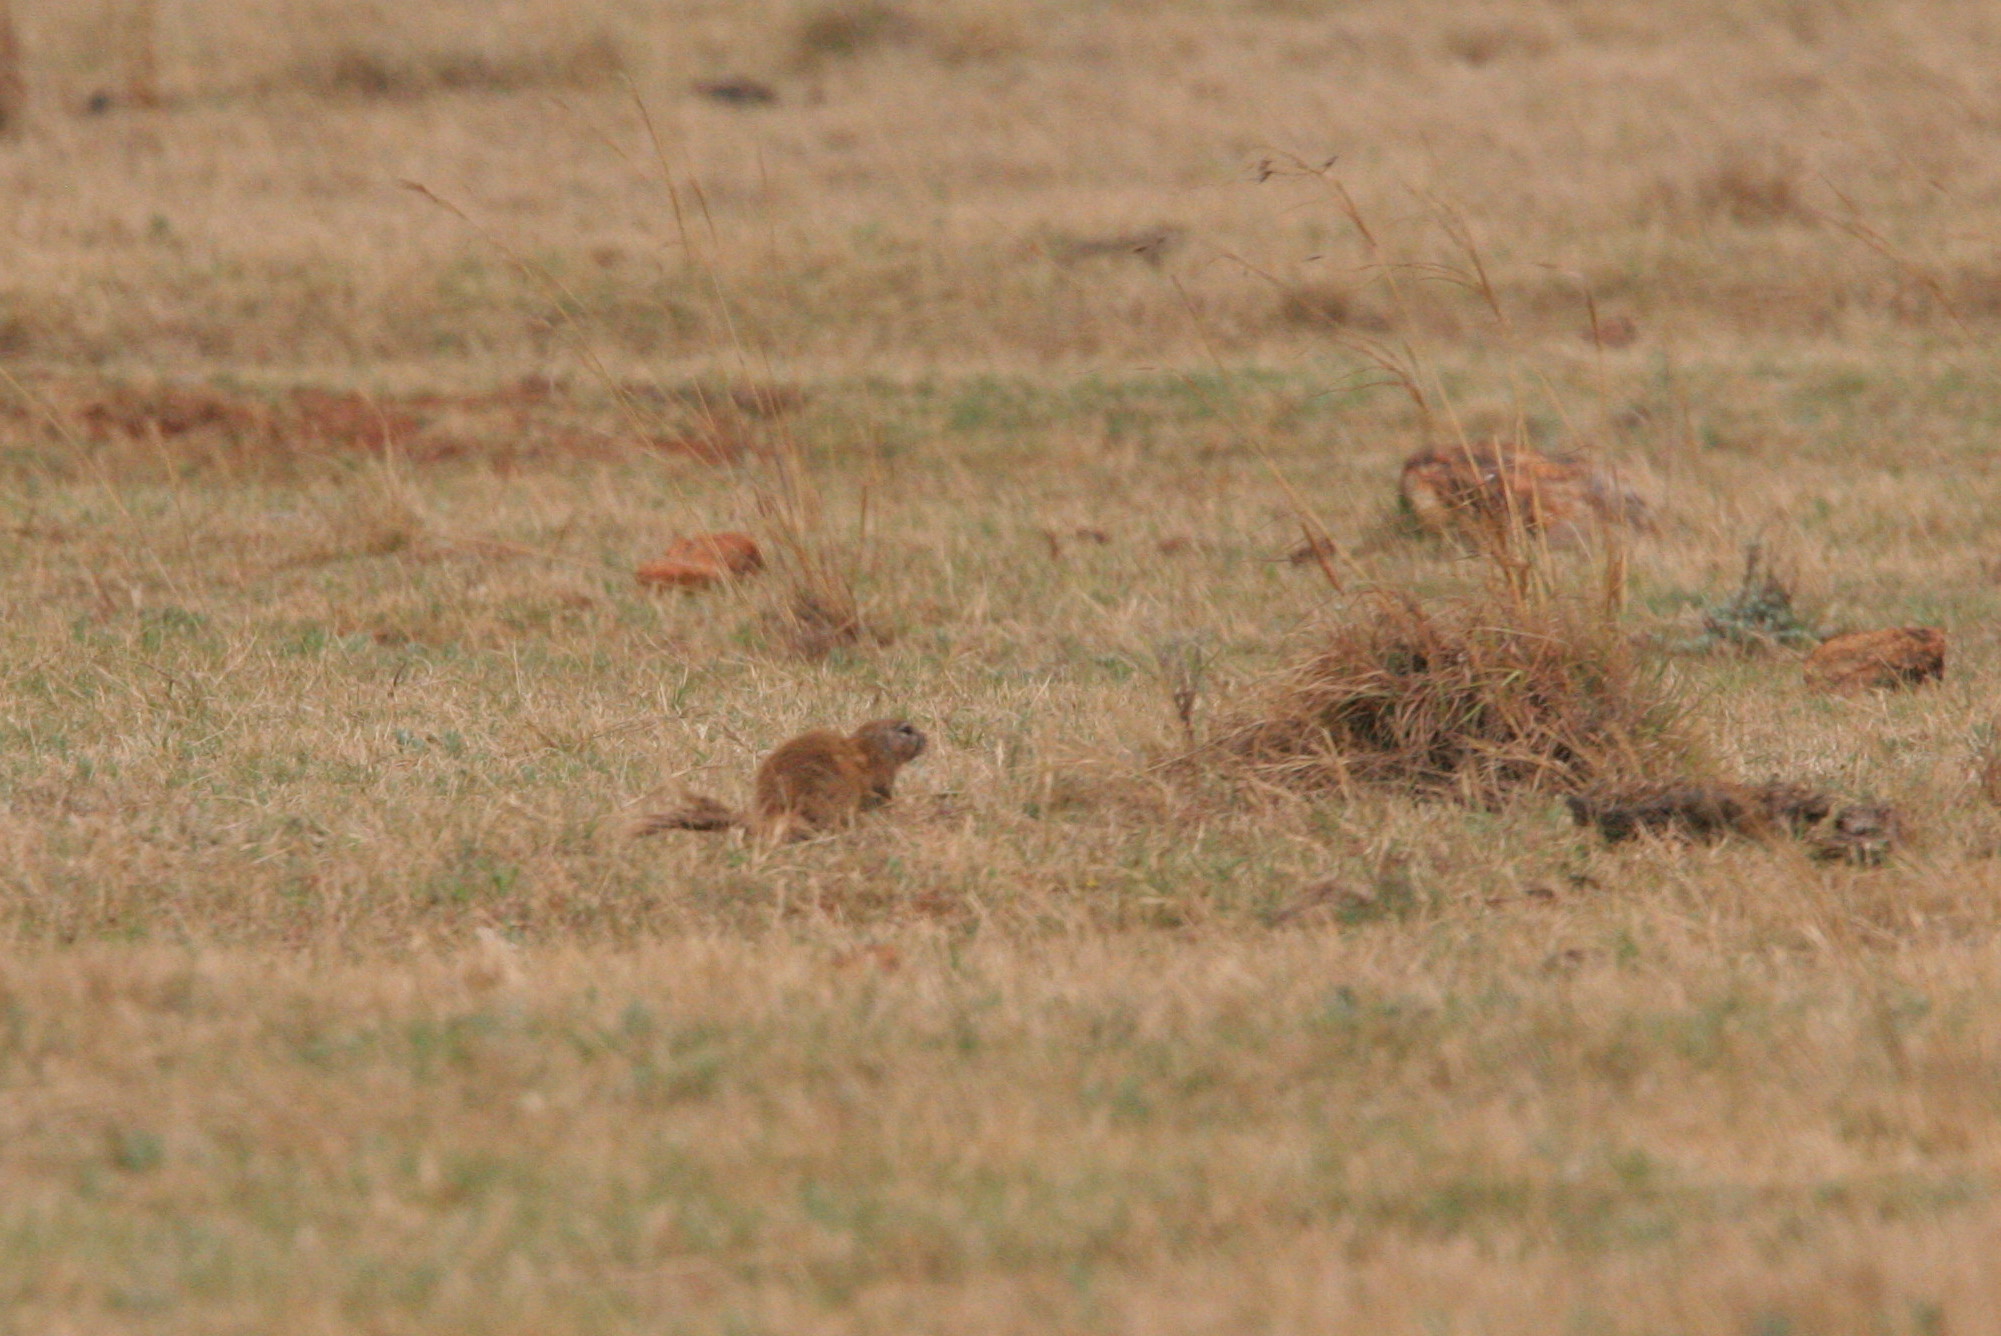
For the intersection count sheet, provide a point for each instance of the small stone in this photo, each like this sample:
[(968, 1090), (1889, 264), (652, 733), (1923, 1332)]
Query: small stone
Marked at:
[(738, 92)]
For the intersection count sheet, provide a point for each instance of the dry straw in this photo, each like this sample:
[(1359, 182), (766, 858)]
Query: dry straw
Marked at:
[(1521, 685), (13, 82), (1475, 699)]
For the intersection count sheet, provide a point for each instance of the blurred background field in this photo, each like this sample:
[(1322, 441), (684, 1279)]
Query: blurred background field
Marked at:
[(1038, 341), (928, 186)]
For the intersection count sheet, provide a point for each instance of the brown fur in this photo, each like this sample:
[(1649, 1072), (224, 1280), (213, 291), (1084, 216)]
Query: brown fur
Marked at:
[(1862, 660), (1465, 489), (818, 781)]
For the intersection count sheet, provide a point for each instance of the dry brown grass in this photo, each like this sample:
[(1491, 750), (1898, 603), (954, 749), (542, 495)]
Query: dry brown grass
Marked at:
[(1499, 494), (1482, 701), (332, 995), (13, 77)]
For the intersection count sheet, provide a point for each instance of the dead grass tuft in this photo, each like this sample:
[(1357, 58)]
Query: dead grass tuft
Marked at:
[(1493, 697), (528, 418), (1759, 617), (13, 84), (1487, 43), (821, 617), (380, 74), (843, 30), (1757, 186), (981, 35), (1494, 493), (1328, 306), (170, 411), (1987, 761)]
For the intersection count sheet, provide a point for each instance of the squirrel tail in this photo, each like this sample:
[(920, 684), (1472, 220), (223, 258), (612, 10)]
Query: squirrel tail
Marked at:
[(697, 813)]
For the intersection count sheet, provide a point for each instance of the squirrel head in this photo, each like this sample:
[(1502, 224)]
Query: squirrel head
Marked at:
[(897, 739)]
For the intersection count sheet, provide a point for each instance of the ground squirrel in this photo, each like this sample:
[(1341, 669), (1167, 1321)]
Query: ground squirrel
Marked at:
[(815, 782)]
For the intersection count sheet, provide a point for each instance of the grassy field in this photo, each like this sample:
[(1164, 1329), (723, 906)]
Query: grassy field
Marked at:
[(333, 993)]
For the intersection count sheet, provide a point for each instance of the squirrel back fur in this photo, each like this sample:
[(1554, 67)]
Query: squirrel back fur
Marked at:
[(817, 781)]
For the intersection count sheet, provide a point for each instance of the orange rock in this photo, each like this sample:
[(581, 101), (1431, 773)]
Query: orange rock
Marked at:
[(1900, 656), (681, 574), (1467, 489), (735, 553)]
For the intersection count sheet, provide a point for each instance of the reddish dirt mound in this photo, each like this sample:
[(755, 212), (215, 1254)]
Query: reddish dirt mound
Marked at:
[(536, 416), (737, 553), (719, 445), (347, 420), (1901, 656), (703, 559), (1478, 490), (171, 411), (714, 402), (680, 574)]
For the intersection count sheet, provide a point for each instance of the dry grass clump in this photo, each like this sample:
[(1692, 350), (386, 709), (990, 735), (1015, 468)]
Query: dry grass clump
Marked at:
[(532, 416), (1755, 186), (1987, 761), (13, 85), (955, 36), (819, 609), (843, 30), (378, 73), (1328, 306), (1485, 44), (1496, 696), (1760, 616)]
